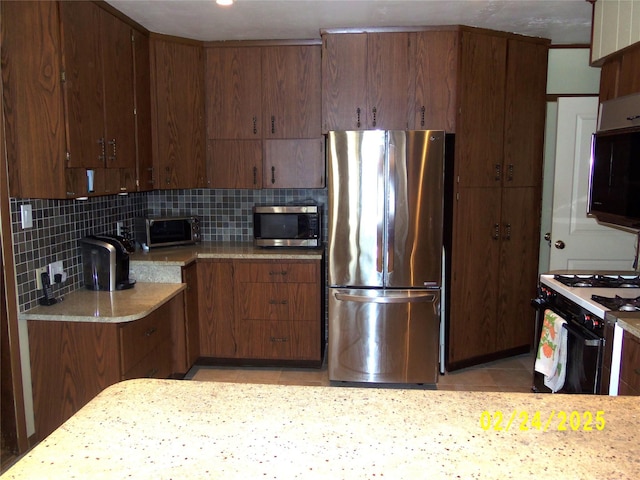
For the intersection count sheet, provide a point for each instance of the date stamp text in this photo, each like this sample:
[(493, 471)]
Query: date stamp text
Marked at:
[(559, 420)]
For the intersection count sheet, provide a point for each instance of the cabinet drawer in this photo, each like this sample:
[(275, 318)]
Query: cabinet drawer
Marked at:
[(279, 340), (276, 272), (140, 337), (262, 301), (156, 364)]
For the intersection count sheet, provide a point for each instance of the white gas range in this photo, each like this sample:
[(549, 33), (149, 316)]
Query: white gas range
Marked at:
[(583, 299)]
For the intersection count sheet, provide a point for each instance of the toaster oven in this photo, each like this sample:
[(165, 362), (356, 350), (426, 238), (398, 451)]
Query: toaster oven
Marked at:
[(167, 231)]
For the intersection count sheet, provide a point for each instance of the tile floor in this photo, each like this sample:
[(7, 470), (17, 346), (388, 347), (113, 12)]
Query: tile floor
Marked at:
[(513, 374)]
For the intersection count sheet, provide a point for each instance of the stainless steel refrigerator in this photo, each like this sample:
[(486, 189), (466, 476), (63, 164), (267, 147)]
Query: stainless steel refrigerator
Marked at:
[(385, 255)]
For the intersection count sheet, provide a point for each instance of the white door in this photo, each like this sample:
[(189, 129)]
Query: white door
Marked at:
[(576, 241)]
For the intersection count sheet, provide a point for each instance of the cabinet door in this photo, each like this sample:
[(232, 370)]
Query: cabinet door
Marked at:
[(117, 59), (474, 276), (142, 90), (190, 277), (34, 122), (435, 70), (388, 81), (178, 114), (83, 85), (344, 80), (233, 93), (294, 163), (629, 72), (630, 366), (216, 310), (234, 164), (291, 91), (520, 233), (480, 122), (525, 110)]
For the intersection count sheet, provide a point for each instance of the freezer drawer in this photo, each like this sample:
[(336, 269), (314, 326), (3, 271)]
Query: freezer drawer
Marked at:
[(383, 336)]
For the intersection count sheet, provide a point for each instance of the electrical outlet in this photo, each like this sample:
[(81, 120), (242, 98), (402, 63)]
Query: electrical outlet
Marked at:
[(38, 279), (119, 227)]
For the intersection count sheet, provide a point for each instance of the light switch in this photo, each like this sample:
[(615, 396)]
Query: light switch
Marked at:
[(27, 216)]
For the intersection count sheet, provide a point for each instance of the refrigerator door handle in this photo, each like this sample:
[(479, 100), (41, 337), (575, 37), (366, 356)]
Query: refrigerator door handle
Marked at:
[(391, 205), (413, 297), (381, 214)]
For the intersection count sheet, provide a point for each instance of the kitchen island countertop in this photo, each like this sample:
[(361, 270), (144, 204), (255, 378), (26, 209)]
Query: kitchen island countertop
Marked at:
[(189, 429)]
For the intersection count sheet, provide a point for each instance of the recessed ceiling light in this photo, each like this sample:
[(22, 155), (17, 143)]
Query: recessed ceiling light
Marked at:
[(224, 2)]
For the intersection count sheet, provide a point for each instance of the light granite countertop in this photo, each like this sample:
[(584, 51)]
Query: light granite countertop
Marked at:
[(186, 254), (161, 429), (629, 321), (107, 307)]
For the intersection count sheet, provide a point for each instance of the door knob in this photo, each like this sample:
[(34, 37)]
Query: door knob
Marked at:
[(559, 244), (547, 237)]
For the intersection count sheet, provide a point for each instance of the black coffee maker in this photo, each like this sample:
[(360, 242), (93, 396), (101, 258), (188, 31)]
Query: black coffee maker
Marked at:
[(105, 262)]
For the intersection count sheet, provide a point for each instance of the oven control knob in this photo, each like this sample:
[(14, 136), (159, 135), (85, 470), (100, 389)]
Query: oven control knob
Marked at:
[(590, 322)]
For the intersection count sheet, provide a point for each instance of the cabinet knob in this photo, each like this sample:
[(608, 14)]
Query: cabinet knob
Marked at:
[(103, 154), (422, 113), (498, 172), (112, 143), (358, 117), (374, 111), (273, 174), (273, 124), (150, 332), (507, 232)]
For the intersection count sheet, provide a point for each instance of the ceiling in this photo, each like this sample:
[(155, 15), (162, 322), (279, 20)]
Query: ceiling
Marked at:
[(562, 21)]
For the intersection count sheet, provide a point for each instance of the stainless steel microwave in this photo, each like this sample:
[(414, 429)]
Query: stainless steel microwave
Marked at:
[(167, 231), (287, 225)]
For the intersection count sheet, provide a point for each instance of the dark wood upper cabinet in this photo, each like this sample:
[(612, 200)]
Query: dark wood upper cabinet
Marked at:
[(177, 72), (32, 97), (435, 73), (365, 81), (291, 91), (69, 84), (257, 94), (480, 122), (524, 113), (144, 166), (234, 93)]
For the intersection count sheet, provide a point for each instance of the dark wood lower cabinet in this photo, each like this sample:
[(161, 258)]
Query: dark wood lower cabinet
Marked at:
[(72, 362), (265, 310), (630, 366)]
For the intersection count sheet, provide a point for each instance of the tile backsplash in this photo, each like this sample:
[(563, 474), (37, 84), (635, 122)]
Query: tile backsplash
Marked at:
[(58, 225)]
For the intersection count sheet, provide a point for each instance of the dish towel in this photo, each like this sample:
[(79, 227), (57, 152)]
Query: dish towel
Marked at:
[(551, 360)]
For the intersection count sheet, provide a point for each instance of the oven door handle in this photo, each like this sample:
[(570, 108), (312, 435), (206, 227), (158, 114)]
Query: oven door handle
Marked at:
[(588, 342)]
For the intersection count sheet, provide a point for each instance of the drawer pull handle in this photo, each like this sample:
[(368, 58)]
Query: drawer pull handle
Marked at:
[(152, 373), (279, 339), (281, 272), (278, 302), (150, 332)]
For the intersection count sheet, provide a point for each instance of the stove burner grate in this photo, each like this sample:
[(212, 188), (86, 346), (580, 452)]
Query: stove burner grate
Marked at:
[(618, 303), (601, 281)]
